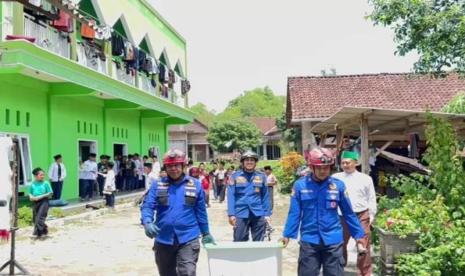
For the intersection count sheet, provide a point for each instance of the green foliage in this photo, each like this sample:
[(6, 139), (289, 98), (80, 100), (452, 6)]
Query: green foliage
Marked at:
[(259, 102), (445, 259), (456, 105), (433, 29), (432, 206), (291, 136), (286, 172), (233, 135), (445, 163), (24, 216), (56, 213), (204, 115)]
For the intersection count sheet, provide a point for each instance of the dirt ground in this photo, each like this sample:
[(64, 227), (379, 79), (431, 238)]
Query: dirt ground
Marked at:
[(115, 244)]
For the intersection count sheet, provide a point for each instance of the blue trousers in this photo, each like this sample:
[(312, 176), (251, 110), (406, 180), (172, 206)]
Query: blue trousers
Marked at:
[(253, 224), (57, 187), (312, 257)]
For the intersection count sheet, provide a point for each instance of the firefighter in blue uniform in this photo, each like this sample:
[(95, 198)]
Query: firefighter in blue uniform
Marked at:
[(178, 205), (248, 202), (314, 209)]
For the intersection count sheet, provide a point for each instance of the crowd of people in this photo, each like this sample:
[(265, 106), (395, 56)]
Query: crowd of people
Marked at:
[(325, 210), (321, 215)]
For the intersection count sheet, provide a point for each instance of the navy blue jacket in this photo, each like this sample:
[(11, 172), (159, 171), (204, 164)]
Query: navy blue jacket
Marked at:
[(314, 208), (179, 209), (248, 193)]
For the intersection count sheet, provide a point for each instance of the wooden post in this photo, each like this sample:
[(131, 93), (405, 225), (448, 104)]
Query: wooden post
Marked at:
[(364, 144), (339, 136)]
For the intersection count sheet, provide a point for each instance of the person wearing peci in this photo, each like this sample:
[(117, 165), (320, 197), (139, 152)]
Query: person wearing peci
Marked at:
[(363, 198), (56, 175)]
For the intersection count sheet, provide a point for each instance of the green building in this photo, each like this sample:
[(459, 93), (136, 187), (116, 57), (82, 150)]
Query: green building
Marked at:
[(65, 88)]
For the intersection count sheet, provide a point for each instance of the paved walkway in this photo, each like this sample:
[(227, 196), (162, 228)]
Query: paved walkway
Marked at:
[(115, 244)]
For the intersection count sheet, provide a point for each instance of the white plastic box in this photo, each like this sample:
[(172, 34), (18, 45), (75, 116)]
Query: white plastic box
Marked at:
[(244, 258)]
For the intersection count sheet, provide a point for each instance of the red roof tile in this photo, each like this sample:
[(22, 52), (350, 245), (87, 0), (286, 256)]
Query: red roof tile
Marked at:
[(320, 97), (264, 124)]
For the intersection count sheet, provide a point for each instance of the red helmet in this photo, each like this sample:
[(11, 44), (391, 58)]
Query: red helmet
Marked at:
[(173, 157), (320, 157), (194, 171)]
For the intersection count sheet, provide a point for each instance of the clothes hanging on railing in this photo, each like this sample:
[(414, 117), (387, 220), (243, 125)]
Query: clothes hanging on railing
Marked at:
[(185, 87), (117, 45), (35, 2), (64, 23), (128, 51), (162, 71), (164, 90), (103, 33), (88, 31)]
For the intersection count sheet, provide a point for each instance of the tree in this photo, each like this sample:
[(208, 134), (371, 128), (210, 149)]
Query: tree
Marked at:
[(456, 105), (233, 135), (291, 136), (259, 102), (203, 114), (434, 29)]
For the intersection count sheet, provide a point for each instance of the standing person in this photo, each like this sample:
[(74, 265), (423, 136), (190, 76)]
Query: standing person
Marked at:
[(248, 202), (39, 192), (156, 168), (117, 170), (271, 182), (129, 177), (90, 171), (149, 175), (138, 172), (211, 176), (102, 170), (315, 200), (109, 187), (205, 180), (220, 181), (178, 204), (57, 174), (363, 198), (82, 181), (162, 173)]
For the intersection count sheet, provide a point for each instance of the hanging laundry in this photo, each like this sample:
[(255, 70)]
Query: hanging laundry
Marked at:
[(35, 2), (128, 51), (171, 79), (6, 191), (117, 45), (185, 87), (103, 33), (88, 31), (153, 82), (162, 71), (64, 23), (142, 60), (164, 90)]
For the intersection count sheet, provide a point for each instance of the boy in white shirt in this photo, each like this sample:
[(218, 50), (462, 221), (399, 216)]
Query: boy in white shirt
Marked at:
[(109, 187)]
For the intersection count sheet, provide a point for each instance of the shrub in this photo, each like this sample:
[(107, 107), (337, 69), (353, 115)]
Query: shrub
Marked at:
[(24, 216)]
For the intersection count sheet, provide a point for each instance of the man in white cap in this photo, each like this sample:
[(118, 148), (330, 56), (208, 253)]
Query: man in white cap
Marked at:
[(363, 198)]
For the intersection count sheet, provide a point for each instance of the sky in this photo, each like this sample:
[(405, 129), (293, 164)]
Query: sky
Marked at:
[(239, 45)]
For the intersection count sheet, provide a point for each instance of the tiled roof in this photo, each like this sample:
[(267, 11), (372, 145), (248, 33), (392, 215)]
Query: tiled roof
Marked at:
[(264, 124), (195, 127), (320, 97)]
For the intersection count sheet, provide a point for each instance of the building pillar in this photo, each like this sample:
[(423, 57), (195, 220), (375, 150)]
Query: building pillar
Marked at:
[(265, 157), (194, 157), (207, 152), (364, 144), (308, 139)]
